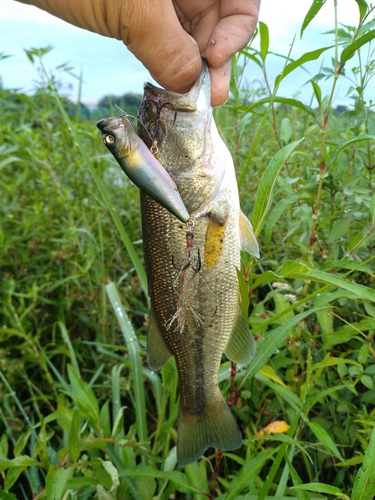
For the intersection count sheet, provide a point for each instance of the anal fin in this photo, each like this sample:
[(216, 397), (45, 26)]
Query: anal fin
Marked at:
[(241, 346), (157, 351), (249, 242)]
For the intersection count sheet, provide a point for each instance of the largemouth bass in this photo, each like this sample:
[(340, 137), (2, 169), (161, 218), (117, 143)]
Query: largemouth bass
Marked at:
[(140, 165), (191, 267)]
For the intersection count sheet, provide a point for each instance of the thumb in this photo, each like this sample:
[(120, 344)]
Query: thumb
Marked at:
[(153, 33)]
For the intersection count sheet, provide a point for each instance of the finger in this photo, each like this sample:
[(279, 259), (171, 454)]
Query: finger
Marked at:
[(153, 33), (220, 79), (233, 32)]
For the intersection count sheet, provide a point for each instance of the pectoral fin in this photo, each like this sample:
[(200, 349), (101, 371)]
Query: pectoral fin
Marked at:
[(241, 346), (248, 239), (157, 351)]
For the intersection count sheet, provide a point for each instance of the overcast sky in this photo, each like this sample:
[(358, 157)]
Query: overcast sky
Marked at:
[(109, 68)]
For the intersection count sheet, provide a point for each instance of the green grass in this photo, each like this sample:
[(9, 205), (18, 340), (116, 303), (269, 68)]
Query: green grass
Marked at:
[(81, 414)]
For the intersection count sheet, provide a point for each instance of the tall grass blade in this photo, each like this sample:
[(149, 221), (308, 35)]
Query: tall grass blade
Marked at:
[(279, 100), (135, 360), (106, 198), (312, 12), (266, 186), (66, 338), (272, 341), (322, 435), (364, 484), (349, 51), (298, 270)]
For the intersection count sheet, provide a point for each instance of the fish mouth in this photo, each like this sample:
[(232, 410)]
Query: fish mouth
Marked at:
[(112, 123), (197, 99)]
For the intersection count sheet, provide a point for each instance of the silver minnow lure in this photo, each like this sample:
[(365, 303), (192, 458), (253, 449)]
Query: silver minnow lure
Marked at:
[(140, 165)]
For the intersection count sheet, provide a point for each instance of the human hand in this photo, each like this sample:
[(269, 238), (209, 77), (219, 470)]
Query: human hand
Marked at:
[(169, 36)]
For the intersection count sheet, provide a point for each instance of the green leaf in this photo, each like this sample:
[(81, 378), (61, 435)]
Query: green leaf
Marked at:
[(325, 319), (368, 382), (339, 229), (56, 481), (7, 496), (349, 51), (146, 487), (344, 145), (105, 420), (291, 269), (267, 182), (272, 341), (264, 40), (290, 397), (252, 56), (312, 12), (112, 473), (4, 447), (364, 484), (362, 5), (118, 422), (102, 476), (362, 356), (22, 442), (322, 488), (301, 494), (75, 437), (372, 209), (323, 436), (317, 92), (282, 304), (276, 213), (21, 461), (66, 338), (286, 130), (280, 100), (85, 398), (312, 400), (40, 447), (80, 482), (177, 478), (102, 493), (247, 474), (12, 476), (307, 57)]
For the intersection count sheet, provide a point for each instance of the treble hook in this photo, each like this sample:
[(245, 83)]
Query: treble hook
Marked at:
[(188, 263), (155, 128), (189, 251)]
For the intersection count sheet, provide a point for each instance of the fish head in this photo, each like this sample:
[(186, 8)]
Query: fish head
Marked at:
[(118, 135), (162, 111), (180, 127)]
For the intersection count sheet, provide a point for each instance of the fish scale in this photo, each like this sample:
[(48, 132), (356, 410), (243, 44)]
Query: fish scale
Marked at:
[(195, 313)]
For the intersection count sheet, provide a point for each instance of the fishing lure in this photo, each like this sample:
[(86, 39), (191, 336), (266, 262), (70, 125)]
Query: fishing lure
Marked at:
[(140, 165)]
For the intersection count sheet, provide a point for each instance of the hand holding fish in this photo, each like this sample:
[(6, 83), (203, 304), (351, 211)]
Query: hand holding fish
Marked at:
[(169, 36)]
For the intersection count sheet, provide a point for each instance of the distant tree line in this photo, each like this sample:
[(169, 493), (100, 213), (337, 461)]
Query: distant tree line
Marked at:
[(110, 105)]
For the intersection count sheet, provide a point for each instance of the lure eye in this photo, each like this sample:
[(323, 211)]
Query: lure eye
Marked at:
[(109, 140)]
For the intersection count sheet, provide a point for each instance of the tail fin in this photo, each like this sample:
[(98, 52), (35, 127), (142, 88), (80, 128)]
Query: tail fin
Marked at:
[(214, 428)]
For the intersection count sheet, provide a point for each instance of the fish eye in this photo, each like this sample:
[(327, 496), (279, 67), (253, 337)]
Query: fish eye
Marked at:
[(109, 140)]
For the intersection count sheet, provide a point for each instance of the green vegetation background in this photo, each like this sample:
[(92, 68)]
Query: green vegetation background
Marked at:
[(81, 415)]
